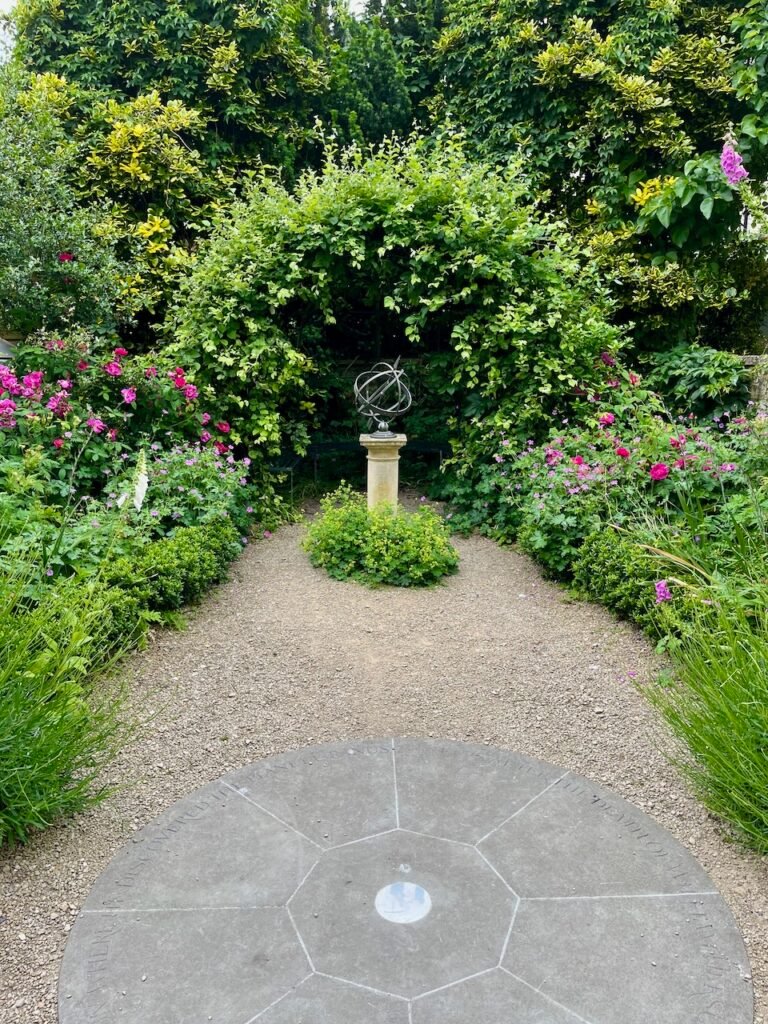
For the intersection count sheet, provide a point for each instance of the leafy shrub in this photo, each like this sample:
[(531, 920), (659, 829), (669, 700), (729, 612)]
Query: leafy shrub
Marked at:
[(717, 705), (381, 545), (57, 729), (698, 380), (57, 262), (177, 570), (421, 246)]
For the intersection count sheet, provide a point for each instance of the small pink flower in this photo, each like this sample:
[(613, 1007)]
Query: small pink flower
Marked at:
[(205, 419), (151, 371), (82, 365), (732, 165), (114, 369), (54, 343), (112, 434), (634, 379), (65, 257), (728, 467), (179, 383), (65, 384), (623, 453), (223, 427), (58, 442), (659, 471), (205, 437), (120, 352), (267, 534), (607, 358), (190, 392), (578, 460), (129, 395), (663, 593), (607, 419), (97, 426), (221, 448)]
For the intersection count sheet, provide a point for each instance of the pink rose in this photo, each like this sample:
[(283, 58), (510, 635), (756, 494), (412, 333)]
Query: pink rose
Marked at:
[(112, 434), (58, 442), (119, 352), (659, 471), (151, 371), (66, 257), (623, 453), (223, 427), (205, 419), (82, 365), (578, 460), (113, 369), (607, 419), (129, 395), (634, 379), (97, 426), (190, 392), (205, 437)]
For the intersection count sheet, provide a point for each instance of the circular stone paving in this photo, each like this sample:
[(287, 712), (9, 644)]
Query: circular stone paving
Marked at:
[(404, 882)]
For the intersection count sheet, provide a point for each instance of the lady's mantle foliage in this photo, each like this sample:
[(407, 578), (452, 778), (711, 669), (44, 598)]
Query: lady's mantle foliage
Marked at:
[(430, 249)]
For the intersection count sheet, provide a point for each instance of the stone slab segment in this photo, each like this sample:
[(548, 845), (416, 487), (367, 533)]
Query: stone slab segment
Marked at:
[(464, 933), (550, 901), (577, 839), (178, 967), (493, 998), (675, 960), (462, 791), (331, 794), (324, 1001), (202, 853)]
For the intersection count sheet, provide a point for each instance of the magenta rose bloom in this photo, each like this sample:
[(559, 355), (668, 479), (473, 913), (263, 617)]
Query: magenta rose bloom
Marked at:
[(129, 395), (114, 369), (659, 471)]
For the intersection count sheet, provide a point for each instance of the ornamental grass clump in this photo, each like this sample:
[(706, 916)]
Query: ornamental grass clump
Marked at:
[(717, 706), (381, 545), (58, 728)]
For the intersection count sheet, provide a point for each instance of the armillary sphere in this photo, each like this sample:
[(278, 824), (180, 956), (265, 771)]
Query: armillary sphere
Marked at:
[(382, 393)]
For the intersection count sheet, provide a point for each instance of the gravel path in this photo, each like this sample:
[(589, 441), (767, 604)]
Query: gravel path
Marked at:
[(282, 656)]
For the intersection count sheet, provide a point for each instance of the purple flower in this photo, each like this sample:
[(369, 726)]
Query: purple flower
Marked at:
[(732, 165), (663, 593), (728, 467)]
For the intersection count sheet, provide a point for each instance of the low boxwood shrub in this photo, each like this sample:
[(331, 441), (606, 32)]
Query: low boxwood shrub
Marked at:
[(381, 545), (615, 571), (177, 570)]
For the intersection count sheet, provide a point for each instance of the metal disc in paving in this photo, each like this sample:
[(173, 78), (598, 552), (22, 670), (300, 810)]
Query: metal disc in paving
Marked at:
[(404, 882)]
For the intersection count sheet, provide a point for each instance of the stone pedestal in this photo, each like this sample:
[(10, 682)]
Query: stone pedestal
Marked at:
[(383, 469)]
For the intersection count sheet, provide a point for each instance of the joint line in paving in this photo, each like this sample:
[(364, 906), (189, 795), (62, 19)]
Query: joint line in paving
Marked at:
[(410, 1013), (442, 839), (295, 891), (509, 933), (394, 776), (560, 1006), (180, 910), (275, 816), (354, 842), (501, 878), (620, 896), (365, 988), (279, 1000), (521, 809), (453, 984), (301, 940)]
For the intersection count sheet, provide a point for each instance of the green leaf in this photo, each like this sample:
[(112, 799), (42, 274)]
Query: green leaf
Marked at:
[(707, 206)]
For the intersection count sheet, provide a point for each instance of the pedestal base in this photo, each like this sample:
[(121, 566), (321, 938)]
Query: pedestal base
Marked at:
[(383, 468)]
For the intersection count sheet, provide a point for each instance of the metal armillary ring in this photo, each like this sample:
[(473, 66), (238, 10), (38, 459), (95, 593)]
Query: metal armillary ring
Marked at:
[(381, 394)]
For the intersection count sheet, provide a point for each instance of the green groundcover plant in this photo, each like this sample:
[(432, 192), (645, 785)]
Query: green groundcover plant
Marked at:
[(381, 545)]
